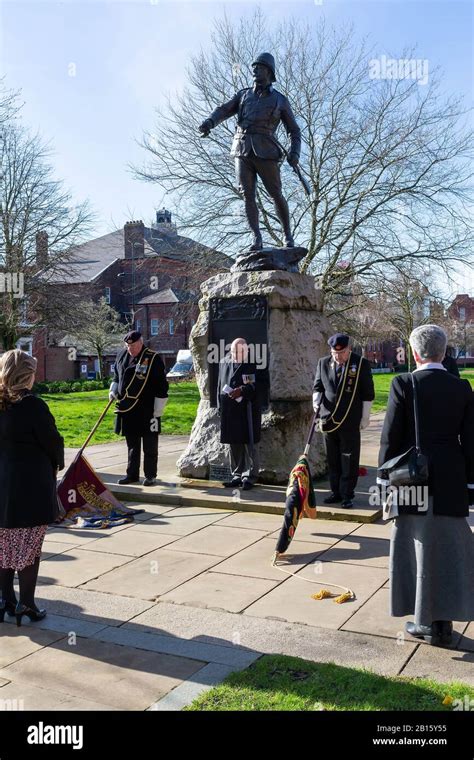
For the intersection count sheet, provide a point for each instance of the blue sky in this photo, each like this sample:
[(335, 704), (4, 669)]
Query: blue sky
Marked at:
[(128, 54)]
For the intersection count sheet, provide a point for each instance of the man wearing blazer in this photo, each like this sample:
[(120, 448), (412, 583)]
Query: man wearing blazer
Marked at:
[(141, 387), (343, 392)]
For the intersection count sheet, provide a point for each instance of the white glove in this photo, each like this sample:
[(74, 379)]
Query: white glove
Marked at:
[(113, 391), (366, 407), (159, 407), (317, 395)]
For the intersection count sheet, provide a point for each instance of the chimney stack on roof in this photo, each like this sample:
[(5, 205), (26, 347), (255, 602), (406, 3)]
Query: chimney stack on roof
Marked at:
[(41, 249), (134, 239)]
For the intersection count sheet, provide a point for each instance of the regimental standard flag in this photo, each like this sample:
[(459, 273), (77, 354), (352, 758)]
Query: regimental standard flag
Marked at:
[(85, 500), (300, 500)]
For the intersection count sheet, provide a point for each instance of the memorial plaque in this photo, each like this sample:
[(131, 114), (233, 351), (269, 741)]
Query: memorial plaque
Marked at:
[(237, 317)]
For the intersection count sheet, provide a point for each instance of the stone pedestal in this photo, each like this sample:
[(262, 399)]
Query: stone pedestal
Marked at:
[(297, 335)]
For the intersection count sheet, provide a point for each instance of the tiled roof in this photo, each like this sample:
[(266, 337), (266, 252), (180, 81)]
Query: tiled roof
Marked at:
[(90, 259)]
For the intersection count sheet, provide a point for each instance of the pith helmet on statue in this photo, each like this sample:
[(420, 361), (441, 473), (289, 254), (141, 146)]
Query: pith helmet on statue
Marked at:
[(268, 60)]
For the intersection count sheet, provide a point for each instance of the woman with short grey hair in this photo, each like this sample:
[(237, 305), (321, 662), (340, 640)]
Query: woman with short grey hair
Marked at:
[(432, 553)]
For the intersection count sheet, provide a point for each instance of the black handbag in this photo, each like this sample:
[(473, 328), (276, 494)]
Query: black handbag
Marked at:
[(411, 467)]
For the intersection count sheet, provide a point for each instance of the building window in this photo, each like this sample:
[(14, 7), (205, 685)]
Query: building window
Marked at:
[(138, 325), (171, 326), (154, 327), (462, 313), (107, 295)]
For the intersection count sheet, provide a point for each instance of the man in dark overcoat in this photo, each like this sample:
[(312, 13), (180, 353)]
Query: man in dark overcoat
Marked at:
[(343, 392), (241, 390), (141, 387)]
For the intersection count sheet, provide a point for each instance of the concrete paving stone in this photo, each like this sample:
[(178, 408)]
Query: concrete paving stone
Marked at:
[(467, 639), (358, 550), (30, 697), (151, 510), (442, 665), (322, 531), (131, 679), (17, 643), (88, 605), (210, 675), (153, 575), (50, 548), (182, 520), (76, 566), (216, 539), (79, 536), (220, 591), (175, 645), (374, 530), (274, 637), (292, 600), (374, 618), (62, 624), (256, 560), (254, 521), (130, 543)]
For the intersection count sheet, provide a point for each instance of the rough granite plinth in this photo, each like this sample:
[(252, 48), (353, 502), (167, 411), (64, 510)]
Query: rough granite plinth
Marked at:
[(297, 335)]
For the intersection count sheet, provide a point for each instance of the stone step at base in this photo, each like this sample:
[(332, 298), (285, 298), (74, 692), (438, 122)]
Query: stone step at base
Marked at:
[(263, 499)]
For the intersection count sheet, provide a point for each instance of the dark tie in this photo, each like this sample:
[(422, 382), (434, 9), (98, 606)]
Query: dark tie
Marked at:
[(339, 370)]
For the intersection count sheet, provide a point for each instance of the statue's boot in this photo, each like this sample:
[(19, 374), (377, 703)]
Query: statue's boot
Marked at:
[(257, 244)]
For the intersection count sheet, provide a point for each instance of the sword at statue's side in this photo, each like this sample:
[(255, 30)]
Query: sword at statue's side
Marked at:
[(296, 169)]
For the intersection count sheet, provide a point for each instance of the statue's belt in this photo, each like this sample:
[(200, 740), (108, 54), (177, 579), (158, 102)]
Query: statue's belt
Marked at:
[(138, 382), (255, 131), (345, 395)]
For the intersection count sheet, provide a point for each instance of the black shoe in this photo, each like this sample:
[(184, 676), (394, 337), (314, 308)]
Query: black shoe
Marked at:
[(125, 481), (246, 484), (234, 483), (149, 482), (8, 607), (347, 504), (418, 631), (333, 499), (429, 633), (34, 615), (444, 630)]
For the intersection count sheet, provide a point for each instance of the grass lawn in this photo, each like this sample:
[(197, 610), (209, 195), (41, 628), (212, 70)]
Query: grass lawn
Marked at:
[(276, 682), (76, 413)]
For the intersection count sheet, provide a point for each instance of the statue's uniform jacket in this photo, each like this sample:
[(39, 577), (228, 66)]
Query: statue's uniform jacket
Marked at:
[(258, 116)]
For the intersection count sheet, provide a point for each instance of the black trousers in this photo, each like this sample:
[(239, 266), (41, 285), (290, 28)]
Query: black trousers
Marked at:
[(244, 461), (150, 455), (343, 453), (247, 168)]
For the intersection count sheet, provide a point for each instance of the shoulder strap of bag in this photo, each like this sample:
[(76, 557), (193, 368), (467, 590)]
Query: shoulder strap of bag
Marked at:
[(415, 410)]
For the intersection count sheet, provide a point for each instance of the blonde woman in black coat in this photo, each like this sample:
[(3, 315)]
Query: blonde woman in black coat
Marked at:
[(31, 452)]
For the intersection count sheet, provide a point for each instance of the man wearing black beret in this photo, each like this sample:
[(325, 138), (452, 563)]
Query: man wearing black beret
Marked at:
[(343, 392), (141, 389)]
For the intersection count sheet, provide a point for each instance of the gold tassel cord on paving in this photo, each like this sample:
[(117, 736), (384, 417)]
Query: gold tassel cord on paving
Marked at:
[(324, 593)]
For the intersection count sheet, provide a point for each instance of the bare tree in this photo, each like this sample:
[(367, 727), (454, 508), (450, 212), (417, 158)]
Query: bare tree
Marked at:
[(32, 201), (387, 159), (101, 329)]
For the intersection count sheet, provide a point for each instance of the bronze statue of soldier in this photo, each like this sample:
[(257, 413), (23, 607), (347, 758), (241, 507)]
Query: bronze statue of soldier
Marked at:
[(256, 151)]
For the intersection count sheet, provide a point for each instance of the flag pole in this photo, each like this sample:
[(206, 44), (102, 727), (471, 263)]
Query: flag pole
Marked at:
[(311, 433), (94, 428)]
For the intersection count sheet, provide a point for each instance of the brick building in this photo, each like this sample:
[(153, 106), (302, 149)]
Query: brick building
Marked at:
[(150, 275)]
